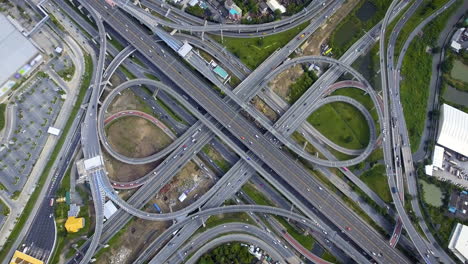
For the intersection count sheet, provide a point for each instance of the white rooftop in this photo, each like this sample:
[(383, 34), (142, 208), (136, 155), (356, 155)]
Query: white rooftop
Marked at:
[(109, 209), (93, 162), (456, 46), (15, 49), (185, 49), (54, 131), (453, 130), (182, 197), (438, 157), (459, 242), (429, 170), (273, 5)]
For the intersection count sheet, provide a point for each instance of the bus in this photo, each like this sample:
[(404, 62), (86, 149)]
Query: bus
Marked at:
[(157, 208), (328, 51)]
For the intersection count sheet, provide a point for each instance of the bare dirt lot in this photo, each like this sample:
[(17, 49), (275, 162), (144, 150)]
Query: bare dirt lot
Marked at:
[(136, 137), (138, 234), (281, 83), (265, 109), (119, 171), (127, 101), (191, 180)]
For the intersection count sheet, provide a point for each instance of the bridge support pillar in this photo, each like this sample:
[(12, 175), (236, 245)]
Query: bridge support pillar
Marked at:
[(155, 94)]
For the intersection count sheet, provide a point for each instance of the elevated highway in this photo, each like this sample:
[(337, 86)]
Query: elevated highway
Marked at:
[(286, 168), (196, 244), (272, 250), (304, 15)]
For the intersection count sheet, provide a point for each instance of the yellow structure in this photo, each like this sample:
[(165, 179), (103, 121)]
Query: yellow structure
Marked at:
[(20, 257), (74, 224)]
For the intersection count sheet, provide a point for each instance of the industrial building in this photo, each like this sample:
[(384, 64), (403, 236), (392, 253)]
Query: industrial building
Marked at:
[(16, 52), (453, 127), (450, 156), (459, 242)]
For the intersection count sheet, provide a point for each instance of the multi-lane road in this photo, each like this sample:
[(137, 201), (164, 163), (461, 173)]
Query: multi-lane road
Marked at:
[(262, 147), (258, 151)]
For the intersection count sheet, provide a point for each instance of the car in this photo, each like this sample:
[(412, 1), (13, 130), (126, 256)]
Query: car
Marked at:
[(243, 138), (348, 228), (256, 136)]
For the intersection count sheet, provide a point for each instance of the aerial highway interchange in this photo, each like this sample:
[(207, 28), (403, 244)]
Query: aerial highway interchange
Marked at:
[(258, 149)]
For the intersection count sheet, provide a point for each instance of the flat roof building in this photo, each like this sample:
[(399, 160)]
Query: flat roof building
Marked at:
[(459, 242), (15, 50), (273, 5), (453, 130), (221, 72), (185, 49), (438, 157), (93, 162), (109, 209), (74, 224), (54, 131)]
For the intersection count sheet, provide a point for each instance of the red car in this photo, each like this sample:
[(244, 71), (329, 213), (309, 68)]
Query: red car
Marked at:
[(242, 138), (348, 228)]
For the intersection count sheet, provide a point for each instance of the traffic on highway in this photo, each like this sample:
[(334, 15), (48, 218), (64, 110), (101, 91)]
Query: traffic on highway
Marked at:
[(182, 149)]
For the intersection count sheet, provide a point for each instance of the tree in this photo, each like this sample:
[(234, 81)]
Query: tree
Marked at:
[(446, 66), (277, 14)]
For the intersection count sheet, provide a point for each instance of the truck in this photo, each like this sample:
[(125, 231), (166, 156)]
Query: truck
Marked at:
[(157, 208)]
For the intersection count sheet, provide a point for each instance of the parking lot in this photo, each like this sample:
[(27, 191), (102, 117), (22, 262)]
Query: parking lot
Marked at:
[(37, 107), (454, 169)]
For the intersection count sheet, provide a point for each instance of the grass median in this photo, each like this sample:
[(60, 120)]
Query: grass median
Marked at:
[(42, 180), (253, 51)]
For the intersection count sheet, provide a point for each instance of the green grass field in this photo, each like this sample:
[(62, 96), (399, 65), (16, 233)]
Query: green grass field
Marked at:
[(352, 27), (253, 51), (416, 69), (362, 98), (425, 10), (342, 124), (459, 71), (376, 180)]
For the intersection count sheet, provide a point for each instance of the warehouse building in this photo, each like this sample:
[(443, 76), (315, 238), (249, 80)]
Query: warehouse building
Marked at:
[(459, 242), (453, 127), (16, 52)]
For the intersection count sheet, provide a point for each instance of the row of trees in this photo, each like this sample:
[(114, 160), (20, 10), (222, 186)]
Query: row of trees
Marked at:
[(232, 253)]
